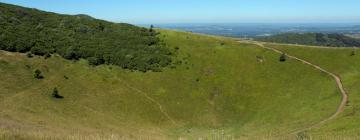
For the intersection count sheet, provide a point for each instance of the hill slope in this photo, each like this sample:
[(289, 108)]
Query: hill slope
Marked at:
[(343, 62), (220, 87), (315, 39), (74, 37)]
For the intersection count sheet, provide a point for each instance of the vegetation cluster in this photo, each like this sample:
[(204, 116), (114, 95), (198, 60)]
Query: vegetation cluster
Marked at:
[(81, 37)]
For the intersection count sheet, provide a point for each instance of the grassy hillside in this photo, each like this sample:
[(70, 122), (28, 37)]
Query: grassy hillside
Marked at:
[(218, 89), (345, 63), (316, 39)]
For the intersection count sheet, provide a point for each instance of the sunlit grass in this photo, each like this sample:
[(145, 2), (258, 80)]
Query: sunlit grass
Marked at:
[(218, 87)]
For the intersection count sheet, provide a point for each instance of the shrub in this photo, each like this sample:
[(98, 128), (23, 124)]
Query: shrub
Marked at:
[(353, 53), (37, 74), (283, 57), (29, 55), (27, 66), (56, 94), (46, 56), (177, 48)]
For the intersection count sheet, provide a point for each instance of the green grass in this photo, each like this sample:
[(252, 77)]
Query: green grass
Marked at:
[(217, 91), (341, 62)]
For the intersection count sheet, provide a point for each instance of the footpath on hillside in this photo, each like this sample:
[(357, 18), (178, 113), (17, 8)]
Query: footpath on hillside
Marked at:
[(337, 79)]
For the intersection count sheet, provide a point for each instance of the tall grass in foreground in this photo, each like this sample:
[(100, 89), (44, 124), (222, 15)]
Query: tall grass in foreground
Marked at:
[(17, 134)]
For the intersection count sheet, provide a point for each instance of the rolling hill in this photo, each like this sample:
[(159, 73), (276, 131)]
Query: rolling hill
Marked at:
[(214, 88), (81, 37), (315, 39)]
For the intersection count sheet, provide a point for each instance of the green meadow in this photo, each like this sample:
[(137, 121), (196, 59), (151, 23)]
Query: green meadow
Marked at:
[(218, 89), (345, 63)]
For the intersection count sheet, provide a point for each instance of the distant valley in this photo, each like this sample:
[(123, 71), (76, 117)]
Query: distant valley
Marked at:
[(264, 29)]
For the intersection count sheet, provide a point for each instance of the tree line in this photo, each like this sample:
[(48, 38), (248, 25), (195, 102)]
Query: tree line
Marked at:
[(81, 37)]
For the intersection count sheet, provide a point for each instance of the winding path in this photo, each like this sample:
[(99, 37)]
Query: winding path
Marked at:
[(154, 101), (339, 83), (150, 99)]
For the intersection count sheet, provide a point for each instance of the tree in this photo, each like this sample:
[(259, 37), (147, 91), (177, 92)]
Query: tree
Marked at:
[(56, 94), (283, 57), (353, 53), (151, 28), (37, 74)]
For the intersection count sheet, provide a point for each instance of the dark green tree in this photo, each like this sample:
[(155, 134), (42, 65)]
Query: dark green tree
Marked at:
[(56, 94), (151, 28), (283, 57), (353, 53), (37, 74)]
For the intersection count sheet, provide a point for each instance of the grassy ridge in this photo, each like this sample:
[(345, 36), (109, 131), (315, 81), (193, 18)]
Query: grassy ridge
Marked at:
[(218, 86), (80, 36), (343, 62), (316, 39)]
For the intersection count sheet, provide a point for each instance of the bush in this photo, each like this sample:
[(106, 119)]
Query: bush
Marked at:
[(56, 94), (46, 56), (283, 57), (37, 74), (353, 53), (29, 55)]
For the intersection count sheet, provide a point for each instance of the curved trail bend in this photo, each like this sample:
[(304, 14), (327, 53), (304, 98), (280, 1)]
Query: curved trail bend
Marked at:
[(339, 83)]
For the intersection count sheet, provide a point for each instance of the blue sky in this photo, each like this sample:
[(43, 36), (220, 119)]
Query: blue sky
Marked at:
[(205, 11)]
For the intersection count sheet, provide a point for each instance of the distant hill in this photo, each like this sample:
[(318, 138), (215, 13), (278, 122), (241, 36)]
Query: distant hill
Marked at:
[(317, 39), (80, 36)]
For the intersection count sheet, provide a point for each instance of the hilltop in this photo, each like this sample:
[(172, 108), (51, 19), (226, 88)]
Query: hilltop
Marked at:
[(315, 39)]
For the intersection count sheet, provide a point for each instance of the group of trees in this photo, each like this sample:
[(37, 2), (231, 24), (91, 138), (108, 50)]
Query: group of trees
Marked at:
[(316, 39), (81, 37)]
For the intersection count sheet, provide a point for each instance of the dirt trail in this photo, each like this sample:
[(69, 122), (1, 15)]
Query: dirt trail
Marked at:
[(339, 83), (154, 101), (150, 99)]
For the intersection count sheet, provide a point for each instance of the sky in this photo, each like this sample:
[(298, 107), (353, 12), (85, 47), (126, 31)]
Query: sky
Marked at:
[(205, 11)]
